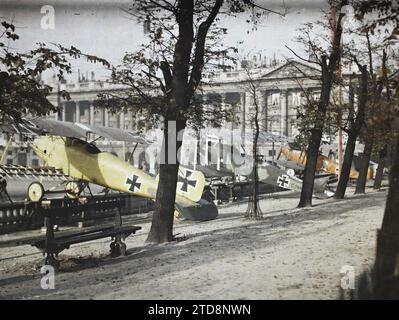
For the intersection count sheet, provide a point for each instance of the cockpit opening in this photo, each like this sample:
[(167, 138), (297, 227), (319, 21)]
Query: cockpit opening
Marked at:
[(89, 147)]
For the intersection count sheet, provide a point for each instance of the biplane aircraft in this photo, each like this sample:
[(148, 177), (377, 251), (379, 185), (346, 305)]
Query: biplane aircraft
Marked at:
[(64, 147), (240, 167), (287, 180), (296, 160)]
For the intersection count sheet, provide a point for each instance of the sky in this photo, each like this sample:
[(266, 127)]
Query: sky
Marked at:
[(102, 28)]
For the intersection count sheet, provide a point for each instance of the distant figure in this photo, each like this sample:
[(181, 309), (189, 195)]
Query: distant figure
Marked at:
[(208, 195), (156, 167), (3, 188)]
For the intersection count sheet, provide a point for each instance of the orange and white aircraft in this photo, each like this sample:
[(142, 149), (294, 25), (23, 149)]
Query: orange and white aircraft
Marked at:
[(296, 159)]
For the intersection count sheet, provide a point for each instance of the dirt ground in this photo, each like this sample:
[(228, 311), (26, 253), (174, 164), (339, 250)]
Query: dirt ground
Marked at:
[(290, 254)]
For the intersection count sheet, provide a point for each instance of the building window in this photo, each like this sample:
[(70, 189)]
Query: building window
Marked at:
[(35, 162), (275, 99), (272, 153), (22, 159), (296, 99)]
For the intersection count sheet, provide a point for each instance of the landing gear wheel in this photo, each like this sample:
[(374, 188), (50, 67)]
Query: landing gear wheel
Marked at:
[(51, 261), (35, 192), (122, 247), (73, 189), (118, 249)]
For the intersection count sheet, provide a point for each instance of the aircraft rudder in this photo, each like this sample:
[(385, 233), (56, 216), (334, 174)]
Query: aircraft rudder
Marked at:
[(190, 184)]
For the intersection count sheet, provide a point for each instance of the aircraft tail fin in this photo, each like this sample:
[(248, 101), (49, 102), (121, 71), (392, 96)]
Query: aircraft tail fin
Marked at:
[(190, 184)]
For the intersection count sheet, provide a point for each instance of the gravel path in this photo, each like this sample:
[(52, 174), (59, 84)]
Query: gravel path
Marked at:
[(290, 254)]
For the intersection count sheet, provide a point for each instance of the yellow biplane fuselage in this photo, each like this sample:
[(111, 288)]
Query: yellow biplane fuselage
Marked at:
[(84, 161)]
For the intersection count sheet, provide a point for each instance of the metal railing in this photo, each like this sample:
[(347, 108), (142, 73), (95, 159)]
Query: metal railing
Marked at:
[(19, 216)]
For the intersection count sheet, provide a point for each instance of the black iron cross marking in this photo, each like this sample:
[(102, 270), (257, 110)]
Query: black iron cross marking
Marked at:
[(186, 181), (283, 181), (134, 184)]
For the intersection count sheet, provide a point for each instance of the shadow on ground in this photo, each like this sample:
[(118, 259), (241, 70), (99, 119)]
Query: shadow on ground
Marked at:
[(144, 262)]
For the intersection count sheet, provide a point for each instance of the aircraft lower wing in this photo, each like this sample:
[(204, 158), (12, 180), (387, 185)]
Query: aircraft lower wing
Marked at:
[(23, 172)]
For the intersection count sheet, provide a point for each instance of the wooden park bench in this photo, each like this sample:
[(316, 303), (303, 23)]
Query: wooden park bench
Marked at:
[(53, 243)]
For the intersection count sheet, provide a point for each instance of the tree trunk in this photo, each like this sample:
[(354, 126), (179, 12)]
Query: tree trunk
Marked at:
[(346, 166), (328, 73), (380, 170), (198, 154), (310, 168), (253, 210), (387, 262), (180, 97), (162, 219), (256, 183), (364, 168), (181, 85), (353, 132)]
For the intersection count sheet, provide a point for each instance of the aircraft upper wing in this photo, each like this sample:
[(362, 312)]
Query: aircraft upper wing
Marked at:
[(39, 126), (113, 133), (58, 128), (25, 128)]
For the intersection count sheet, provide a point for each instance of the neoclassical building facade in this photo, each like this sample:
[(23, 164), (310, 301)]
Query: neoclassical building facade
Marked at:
[(278, 92)]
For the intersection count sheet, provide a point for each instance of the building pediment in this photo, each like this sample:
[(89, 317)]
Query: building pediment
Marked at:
[(292, 69)]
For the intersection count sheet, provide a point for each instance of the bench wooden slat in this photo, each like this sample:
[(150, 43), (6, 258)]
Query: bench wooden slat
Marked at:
[(94, 236), (60, 234), (89, 235)]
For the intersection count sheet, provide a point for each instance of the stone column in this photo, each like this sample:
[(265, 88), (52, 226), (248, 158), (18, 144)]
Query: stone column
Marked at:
[(266, 111), (223, 107), (128, 120), (122, 120), (283, 112), (206, 152), (131, 120), (243, 111), (28, 157), (91, 121), (63, 106), (219, 144), (195, 154), (260, 97), (106, 118), (287, 94), (77, 113)]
